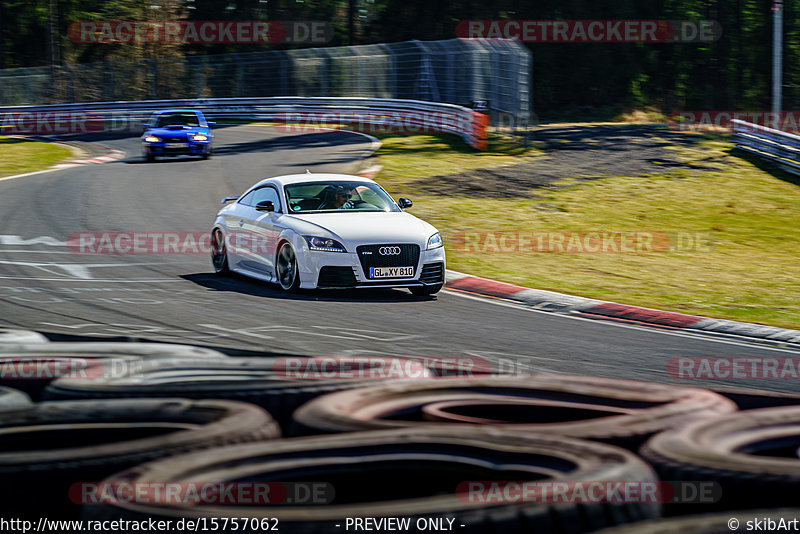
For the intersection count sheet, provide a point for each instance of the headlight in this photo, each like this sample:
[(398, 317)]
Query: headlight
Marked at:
[(435, 241), (324, 244), (200, 137), (151, 139)]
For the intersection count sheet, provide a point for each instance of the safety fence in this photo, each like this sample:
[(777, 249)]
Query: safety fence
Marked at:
[(779, 147), (454, 71)]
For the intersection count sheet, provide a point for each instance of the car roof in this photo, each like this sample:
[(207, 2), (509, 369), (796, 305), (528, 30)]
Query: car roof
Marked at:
[(306, 178), (177, 111)]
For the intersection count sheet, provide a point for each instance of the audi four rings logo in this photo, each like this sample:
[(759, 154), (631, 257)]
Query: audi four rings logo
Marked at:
[(389, 251)]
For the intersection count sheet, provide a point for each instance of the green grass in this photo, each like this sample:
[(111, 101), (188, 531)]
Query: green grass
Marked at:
[(19, 156), (744, 211)]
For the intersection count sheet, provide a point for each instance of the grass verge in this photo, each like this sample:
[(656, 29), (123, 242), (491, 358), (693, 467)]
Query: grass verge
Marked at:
[(742, 213), (20, 155)]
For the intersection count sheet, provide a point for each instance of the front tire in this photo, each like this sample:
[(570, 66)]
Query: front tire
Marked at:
[(286, 268), (219, 252), (149, 158), (425, 291)]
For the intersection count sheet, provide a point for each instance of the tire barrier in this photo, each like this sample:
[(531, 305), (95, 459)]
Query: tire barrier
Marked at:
[(409, 473), (752, 454), (615, 411), (261, 381), (721, 523), (31, 366), (53, 445), (13, 400), (11, 335), (749, 399)]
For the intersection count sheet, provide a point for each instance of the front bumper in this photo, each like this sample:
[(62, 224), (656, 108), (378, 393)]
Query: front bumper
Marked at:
[(192, 148), (344, 270)]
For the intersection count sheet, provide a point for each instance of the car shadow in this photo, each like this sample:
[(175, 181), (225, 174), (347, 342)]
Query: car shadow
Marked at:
[(140, 160), (236, 283)]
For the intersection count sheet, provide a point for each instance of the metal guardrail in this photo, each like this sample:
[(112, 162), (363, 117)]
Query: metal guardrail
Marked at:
[(410, 115), (779, 147)]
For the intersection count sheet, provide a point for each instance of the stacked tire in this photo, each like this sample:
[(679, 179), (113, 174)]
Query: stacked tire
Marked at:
[(422, 449)]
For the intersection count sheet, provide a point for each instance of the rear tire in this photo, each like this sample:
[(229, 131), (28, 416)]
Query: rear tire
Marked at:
[(425, 291), (286, 268)]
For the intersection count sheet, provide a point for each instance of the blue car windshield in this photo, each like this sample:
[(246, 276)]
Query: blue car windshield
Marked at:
[(321, 197), (183, 119)]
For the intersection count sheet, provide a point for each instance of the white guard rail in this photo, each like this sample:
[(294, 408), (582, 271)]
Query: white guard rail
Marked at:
[(395, 115), (782, 148)]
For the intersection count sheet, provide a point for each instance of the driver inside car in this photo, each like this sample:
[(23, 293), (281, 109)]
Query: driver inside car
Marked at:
[(338, 198)]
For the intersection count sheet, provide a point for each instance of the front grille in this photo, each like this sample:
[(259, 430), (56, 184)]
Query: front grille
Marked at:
[(432, 273), (369, 256), (332, 276), (175, 139)]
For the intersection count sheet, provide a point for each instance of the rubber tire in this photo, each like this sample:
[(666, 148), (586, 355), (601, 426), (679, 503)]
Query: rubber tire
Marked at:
[(223, 269), (752, 399), (425, 291), (47, 472), (219, 379), (12, 335), (702, 523), (89, 358), (474, 450), (12, 400), (295, 285), (149, 158), (712, 450), (355, 410)]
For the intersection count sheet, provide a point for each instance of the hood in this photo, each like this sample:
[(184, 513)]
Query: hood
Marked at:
[(175, 132), (363, 228)]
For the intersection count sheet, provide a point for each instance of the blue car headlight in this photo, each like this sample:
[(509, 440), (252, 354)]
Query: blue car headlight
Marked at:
[(435, 241), (200, 137), (152, 139), (324, 244)]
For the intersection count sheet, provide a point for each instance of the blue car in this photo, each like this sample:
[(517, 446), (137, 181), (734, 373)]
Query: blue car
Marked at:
[(174, 132)]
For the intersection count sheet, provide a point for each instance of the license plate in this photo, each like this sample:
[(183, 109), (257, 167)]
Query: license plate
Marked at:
[(176, 145), (391, 272)]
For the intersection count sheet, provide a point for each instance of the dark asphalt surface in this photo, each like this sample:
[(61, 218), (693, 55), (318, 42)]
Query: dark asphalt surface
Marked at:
[(43, 286)]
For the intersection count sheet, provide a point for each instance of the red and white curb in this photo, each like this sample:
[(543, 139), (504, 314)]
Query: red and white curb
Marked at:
[(112, 154), (598, 309)]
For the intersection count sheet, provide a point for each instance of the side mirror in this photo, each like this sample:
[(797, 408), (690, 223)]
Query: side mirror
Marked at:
[(404, 202), (211, 124), (265, 205), (228, 199)]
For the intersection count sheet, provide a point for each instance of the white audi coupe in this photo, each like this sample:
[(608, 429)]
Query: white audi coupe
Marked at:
[(327, 231)]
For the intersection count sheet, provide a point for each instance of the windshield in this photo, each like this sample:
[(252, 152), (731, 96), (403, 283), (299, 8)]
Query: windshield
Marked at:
[(184, 119), (321, 197)]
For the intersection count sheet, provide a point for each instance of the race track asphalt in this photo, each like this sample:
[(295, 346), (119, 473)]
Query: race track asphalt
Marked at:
[(177, 298)]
